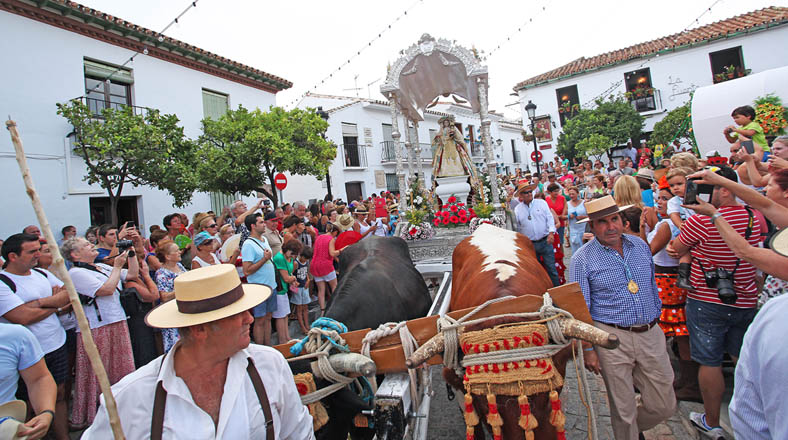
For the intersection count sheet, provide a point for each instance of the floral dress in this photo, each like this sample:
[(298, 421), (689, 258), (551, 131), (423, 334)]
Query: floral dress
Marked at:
[(165, 282)]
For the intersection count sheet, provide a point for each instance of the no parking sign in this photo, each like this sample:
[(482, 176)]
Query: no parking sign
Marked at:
[(280, 181), (536, 156)]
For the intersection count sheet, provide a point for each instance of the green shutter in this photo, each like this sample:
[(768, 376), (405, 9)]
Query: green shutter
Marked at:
[(100, 71), (214, 105)]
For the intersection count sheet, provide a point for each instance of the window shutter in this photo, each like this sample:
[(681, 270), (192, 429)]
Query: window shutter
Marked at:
[(349, 130), (214, 105), (100, 71)]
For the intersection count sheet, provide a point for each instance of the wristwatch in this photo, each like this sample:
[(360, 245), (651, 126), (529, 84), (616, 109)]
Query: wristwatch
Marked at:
[(715, 216)]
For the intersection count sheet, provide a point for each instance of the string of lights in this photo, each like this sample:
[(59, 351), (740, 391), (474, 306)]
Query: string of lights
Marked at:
[(510, 36), (357, 54), (192, 4), (615, 85)]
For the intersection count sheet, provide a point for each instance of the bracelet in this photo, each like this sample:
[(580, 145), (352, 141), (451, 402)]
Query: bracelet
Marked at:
[(52, 413), (589, 349), (715, 216)]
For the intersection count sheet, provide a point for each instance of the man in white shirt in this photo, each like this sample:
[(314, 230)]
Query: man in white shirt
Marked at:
[(212, 384), (27, 297), (535, 221)]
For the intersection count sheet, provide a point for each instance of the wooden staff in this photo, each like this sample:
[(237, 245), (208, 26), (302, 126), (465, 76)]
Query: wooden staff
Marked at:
[(59, 268)]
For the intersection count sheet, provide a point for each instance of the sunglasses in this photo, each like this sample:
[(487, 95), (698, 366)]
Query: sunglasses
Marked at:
[(212, 226)]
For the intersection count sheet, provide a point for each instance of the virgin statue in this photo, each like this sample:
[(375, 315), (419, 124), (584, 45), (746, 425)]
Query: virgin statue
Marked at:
[(451, 155)]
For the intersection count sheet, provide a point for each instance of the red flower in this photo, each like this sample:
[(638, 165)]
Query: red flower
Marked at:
[(454, 219), (445, 214), (437, 221), (453, 208), (413, 231), (445, 207), (452, 199), (461, 204), (302, 389), (445, 220), (463, 219), (462, 213)]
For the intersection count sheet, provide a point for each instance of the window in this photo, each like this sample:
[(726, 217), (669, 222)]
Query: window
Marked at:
[(727, 64), (388, 154), (568, 103), (639, 92), (354, 155), (214, 104), (515, 153), (106, 86), (392, 183)]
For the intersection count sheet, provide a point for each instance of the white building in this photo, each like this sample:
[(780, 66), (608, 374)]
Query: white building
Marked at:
[(57, 50), (665, 71), (365, 162)]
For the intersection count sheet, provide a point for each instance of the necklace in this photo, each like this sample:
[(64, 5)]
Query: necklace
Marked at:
[(632, 286), (529, 210)]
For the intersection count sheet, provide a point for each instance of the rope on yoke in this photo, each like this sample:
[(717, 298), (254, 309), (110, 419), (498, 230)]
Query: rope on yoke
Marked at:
[(409, 345)]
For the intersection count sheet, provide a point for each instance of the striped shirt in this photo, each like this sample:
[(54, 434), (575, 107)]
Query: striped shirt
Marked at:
[(709, 249), (603, 275)]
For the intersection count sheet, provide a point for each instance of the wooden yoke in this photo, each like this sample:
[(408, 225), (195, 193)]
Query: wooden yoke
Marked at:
[(389, 357)]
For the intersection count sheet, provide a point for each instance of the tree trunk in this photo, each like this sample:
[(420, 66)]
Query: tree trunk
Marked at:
[(113, 210)]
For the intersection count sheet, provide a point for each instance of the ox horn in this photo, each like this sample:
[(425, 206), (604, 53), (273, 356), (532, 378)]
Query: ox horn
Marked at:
[(348, 363), (580, 330), (434, 346)]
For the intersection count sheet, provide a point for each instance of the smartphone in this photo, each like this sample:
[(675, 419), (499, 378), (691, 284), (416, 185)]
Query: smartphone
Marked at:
[(690, 193), (130, 225), (748, 146)]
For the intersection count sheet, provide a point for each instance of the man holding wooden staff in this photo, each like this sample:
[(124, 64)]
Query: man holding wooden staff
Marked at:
[(212, 384)]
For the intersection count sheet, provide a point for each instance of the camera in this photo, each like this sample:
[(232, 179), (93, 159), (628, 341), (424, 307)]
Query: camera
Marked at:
[(266, 202), (721, 280), (123, 245)]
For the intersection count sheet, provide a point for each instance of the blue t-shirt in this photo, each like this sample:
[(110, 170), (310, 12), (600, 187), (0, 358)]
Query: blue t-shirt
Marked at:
[(648, 197), (19, 350), (252, 251), (301, 272), (102, 254)]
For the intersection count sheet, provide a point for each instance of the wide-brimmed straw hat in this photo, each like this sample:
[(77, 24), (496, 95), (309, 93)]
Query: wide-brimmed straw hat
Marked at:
[(525, 187), (779, 242), (361, 209), (646, 173), (344, 222), (602, 207), (16, 410), (392, 207), (207, 294)]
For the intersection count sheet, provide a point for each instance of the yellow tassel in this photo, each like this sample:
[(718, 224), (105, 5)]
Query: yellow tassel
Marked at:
[(557, 417), (493, 418), (527, 421), (471, 418), (360, 421)]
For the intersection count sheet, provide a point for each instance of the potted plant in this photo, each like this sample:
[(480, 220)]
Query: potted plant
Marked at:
[(484, 215), (418, 228), (453, 214)]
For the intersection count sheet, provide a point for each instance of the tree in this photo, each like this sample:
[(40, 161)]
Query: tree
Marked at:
[(243, 150), (613, 119), (121, 147), (676, 125)]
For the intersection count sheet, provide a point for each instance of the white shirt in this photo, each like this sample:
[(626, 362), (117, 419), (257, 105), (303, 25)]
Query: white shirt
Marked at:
[(674, 205), (68, 320), (240, 414), (541, 223), (662, 258), (48, 331), (87, 282)]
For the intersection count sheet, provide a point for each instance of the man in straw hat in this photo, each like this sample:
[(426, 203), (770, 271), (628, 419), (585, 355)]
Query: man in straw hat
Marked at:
[(535, 221), (212, 384), (616, 273)]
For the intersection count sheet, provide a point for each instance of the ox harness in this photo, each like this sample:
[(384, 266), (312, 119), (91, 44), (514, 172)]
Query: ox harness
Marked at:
[(160, 401)]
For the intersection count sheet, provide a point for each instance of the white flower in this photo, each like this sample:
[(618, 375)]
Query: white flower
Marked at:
[(419, 200)]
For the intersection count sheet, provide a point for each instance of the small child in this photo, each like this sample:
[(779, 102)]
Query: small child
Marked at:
[(745, 117), (677, 179), (301, 298)]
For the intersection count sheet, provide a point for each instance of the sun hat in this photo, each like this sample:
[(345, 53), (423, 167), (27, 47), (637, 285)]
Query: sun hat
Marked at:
[(202, 237), (779, 242), (602, 207), (344, 222), (12, 415), (524, 187), (230, 246), (361, 209), (207, 294), (646, 173), (392, 207)]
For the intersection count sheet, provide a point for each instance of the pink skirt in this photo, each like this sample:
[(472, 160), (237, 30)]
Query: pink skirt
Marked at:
[(114, 347)]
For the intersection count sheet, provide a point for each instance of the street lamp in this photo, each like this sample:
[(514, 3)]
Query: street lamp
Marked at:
[(530, 108), (324, 114)]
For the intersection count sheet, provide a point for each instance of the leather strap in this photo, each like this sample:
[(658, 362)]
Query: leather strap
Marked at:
[(160, 400)]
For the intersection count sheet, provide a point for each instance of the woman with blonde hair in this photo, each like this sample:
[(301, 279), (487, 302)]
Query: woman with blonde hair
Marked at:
[(626, 191)]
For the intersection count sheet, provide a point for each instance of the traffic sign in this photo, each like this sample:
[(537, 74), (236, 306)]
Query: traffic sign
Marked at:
[(280, 181), (536, 156)]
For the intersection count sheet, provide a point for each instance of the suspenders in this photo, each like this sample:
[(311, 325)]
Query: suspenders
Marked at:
[(159, 402)]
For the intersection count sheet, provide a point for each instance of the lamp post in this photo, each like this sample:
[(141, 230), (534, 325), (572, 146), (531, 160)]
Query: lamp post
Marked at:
[(324, 114), (530, 108)]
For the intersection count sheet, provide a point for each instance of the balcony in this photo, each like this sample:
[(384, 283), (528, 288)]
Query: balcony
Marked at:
[(645, 100), (477, 149), (355, 156), (97, 105), (388, 154)]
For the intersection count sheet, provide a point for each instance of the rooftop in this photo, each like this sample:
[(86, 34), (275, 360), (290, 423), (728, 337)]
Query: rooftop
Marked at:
[(95, 24), (750, 22)]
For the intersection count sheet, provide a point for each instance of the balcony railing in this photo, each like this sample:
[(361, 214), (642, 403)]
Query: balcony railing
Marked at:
[(477, 149), (355, 156), (388, 154), (650, 102), (97, 105)]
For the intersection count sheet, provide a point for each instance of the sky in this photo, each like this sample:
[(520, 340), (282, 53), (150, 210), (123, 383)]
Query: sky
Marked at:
[(305, 41)]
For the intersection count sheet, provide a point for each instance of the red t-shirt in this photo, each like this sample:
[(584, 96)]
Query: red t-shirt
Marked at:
[(557, 205), (709, 249)]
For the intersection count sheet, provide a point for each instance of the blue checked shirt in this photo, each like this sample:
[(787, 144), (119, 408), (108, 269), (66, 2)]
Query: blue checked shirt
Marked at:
[(602, 275)]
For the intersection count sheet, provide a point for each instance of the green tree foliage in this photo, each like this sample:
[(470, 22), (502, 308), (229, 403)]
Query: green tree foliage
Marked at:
[(243, 150), (613, 121), (121, 147), (673, 124)]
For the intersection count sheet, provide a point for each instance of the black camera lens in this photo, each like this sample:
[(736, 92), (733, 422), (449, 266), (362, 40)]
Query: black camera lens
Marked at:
[(725, 288)]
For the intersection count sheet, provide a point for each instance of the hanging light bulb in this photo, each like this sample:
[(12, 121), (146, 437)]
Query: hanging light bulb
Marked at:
[(161, 38), (145, 51)]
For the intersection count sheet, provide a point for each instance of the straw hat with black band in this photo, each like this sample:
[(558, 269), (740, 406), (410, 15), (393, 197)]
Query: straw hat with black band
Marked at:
[(12, 416), (779, 242), (207, 294), (601, 208), (344, 222), (524, 187)]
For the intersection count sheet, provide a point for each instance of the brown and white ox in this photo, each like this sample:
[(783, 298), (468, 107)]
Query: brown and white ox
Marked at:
[(494, 263)]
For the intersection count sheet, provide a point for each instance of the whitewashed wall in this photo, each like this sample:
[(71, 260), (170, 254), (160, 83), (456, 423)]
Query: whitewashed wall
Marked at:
[(47, 68), (675, 74)]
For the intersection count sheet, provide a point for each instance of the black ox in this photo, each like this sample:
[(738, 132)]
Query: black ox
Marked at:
[(378, 283)]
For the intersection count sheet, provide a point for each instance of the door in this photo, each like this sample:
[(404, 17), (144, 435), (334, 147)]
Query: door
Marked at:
[(353, 190), (100, 212)]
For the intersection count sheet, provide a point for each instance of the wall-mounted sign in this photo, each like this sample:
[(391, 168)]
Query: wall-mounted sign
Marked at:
[(545, 147), (543, 129)]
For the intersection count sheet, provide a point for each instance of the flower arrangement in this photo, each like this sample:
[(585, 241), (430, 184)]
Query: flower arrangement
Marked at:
[(419, 231), (640, 92), (418, 198), (454, 213), (484, 180), (568, 108), (730, 72), (771, 115), (495, 220)]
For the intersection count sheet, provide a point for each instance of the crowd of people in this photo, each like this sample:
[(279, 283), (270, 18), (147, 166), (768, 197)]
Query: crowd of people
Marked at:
[(671, 250)]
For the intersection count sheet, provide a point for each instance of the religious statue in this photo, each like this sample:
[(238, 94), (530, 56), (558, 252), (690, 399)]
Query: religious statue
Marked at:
[(451, 155)]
